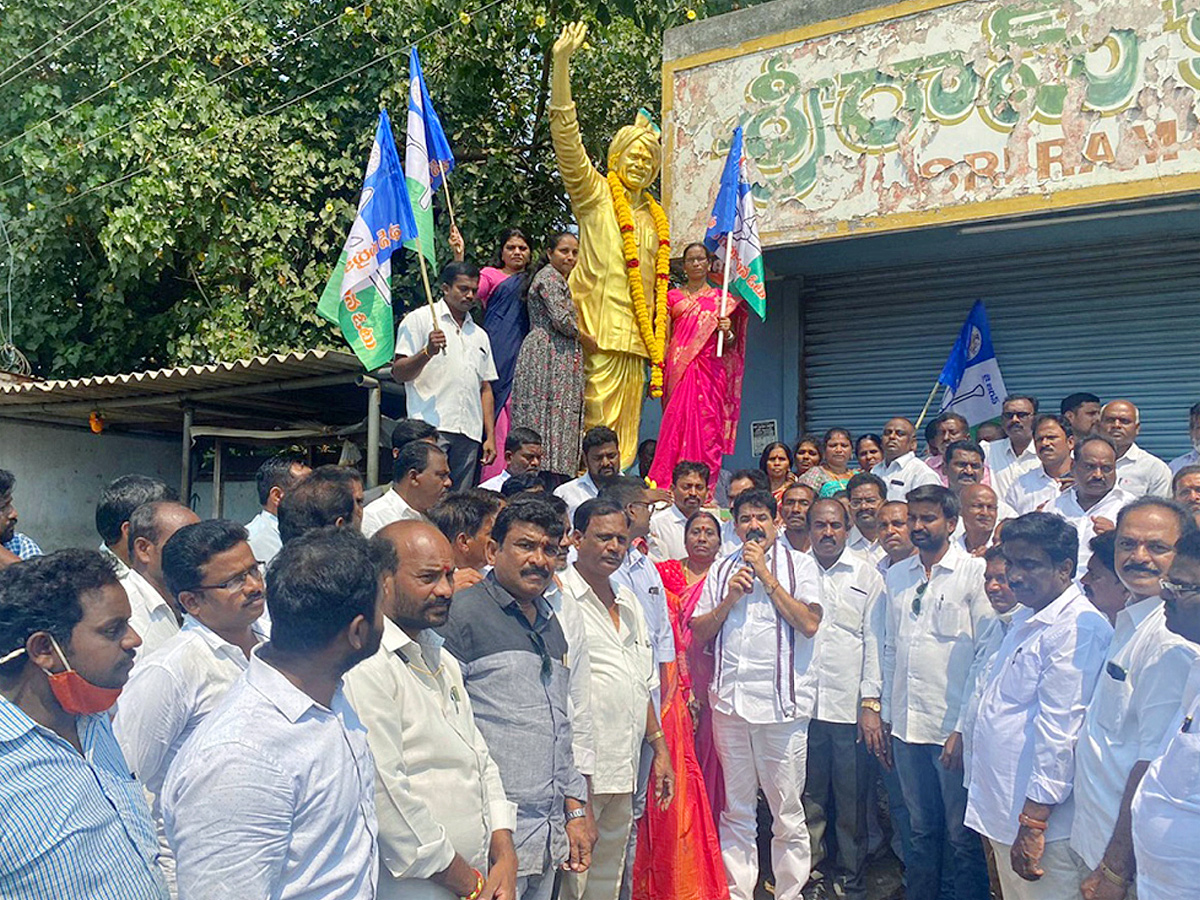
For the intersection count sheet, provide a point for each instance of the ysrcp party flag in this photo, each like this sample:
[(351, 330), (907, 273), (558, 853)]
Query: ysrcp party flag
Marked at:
[(427, 156), (974, 386), (735, 219), (358, 296)]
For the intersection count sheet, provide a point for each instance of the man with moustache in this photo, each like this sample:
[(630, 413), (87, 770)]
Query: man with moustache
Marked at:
[(1185, 488), (900, 469), (867, 494), (1055, 442), (1031, 712), (797, 500), (1082, 411), (602, 458), (689, 487), (74, 819), (514, 659), (422, 478), (623, 680), (1094, 501), (846, 722), (1012, 457), (979, 517), (211, 570), (760, 607), (157, 615), (273, 795), (1166, 819), (965, 467), (445, 823), (936, 610), (893, 535), (742, 480), (1135, 701), (1139, 473)]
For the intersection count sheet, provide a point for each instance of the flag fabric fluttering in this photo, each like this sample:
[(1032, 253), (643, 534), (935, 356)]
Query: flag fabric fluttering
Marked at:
[(358, 296), (734, 218), (974, 386), (427, 156)]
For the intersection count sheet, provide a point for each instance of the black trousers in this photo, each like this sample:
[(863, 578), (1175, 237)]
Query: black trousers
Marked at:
[(463, 455), (835, 804)]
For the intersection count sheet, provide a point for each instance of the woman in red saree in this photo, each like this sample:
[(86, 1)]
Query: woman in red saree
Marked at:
[(678, 854), (702, 394)]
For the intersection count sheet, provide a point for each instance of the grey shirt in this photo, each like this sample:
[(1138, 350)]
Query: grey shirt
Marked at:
[(517, 677)]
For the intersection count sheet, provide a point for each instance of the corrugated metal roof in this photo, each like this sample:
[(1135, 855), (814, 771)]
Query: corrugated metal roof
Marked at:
[(182, 379)]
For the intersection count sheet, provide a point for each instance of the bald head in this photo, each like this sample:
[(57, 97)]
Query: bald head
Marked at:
[(980, 506), (150, 527), (1120, 422), (417, 595), (899, 437)]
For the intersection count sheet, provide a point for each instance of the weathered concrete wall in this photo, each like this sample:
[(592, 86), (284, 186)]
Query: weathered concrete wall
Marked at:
[(929, 112), (61, 472)]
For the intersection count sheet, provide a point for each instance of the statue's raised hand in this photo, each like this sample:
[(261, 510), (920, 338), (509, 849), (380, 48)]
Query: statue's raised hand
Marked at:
[(571, 39)]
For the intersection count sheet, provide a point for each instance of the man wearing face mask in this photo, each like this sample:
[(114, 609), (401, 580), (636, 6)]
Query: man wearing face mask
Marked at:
[(211, 570), (513, 654), (1139, 692), (445, 823), (760, 606), (274, 793), (1031, 712), (74, 820)]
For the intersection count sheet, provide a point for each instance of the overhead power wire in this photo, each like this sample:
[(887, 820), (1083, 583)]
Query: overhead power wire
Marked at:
[(58, 37), (62, 47)]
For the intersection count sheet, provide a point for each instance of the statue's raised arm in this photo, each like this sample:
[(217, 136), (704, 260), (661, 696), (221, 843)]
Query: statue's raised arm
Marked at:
[(620, 282)]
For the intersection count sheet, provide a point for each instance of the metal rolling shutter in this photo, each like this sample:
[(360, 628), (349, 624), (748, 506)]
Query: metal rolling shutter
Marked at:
[(1120, 321)]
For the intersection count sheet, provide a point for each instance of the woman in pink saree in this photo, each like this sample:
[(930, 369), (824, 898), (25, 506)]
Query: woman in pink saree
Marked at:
[(702, 394)]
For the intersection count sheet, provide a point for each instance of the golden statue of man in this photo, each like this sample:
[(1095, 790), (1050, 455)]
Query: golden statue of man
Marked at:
[(616, 350)]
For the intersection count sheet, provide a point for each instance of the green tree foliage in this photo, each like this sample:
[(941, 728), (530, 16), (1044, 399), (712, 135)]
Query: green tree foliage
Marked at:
[(198, 174)]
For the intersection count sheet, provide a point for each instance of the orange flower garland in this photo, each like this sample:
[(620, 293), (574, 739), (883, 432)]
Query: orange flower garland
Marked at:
[(653, 331)]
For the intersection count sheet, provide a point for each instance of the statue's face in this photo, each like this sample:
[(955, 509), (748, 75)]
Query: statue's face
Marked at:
[(637, 167)]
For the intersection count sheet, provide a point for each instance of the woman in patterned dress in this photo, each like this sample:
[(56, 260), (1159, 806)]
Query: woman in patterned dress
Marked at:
[(547, 393)]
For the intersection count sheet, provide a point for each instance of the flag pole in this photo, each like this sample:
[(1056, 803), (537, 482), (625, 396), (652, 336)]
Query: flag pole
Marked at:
[(929, 400), (425, 280), (724, 294), (449, 205)]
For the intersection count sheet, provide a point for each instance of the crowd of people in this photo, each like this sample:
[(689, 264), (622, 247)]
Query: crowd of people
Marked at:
[(986, 659)]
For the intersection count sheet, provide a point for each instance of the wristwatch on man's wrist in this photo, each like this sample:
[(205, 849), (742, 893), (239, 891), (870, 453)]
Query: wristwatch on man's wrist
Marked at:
[(573, 814), (873, 705)]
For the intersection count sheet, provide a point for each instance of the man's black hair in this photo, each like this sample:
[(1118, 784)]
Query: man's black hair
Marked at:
[(624, 490), (1186, 523), (530, 510), (1104, 548), (1051, 533), (276, 472), (189, 550), (756, 497), (1060, 421), (756, 476), (686, 467), (461, 514), (414, 457), (7, 482), (858, 479), (597, 506), (408, 430), (43, 594), (1032, 401), (519, 437), (314, 504), (519, 484), (1072, 402), (936, 493), (598, 436), (966, 444), (319, 583), (122, 497), (459, 269)]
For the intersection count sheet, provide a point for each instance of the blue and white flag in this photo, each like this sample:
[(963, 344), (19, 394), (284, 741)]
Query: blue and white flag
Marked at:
[(358, 296), (734, 218), (974, 386), (427, 156)]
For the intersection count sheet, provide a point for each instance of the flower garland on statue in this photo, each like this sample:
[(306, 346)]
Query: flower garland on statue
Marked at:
[(653, 331)]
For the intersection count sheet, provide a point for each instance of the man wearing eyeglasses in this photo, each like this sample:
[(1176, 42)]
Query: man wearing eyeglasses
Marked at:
[(211, 571), (1166, 820), (1012, 457), (515, 661), (1140, 690), (936, 608)]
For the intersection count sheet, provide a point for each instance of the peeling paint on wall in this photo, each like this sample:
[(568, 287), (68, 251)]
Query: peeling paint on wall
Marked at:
[(966, 111)]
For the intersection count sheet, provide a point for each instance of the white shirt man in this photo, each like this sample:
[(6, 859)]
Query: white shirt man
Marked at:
[(168, 695), (1067, 505), (1006, 465), (576, 492), (385, 509), (666, 534), (872, 550), (762, 695), (1143, 474), (446, 392), (1029, 719), (264, 536), (496, 481), (1166, 808), (299, 772), (153, 618), (1136, 699), (903, 474), (1033, 491), (438, 791)]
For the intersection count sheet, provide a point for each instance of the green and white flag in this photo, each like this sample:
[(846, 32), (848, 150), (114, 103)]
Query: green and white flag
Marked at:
[(358, 296), (427, 157)]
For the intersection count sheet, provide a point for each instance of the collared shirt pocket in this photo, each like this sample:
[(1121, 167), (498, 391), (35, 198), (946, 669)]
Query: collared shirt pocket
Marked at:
[(951, 618), (1114, 691), (847, 612), (1019, 677), (1179, 768)]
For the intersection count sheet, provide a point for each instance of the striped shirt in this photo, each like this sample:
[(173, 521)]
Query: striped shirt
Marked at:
[(75, 826), (23, 546)]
